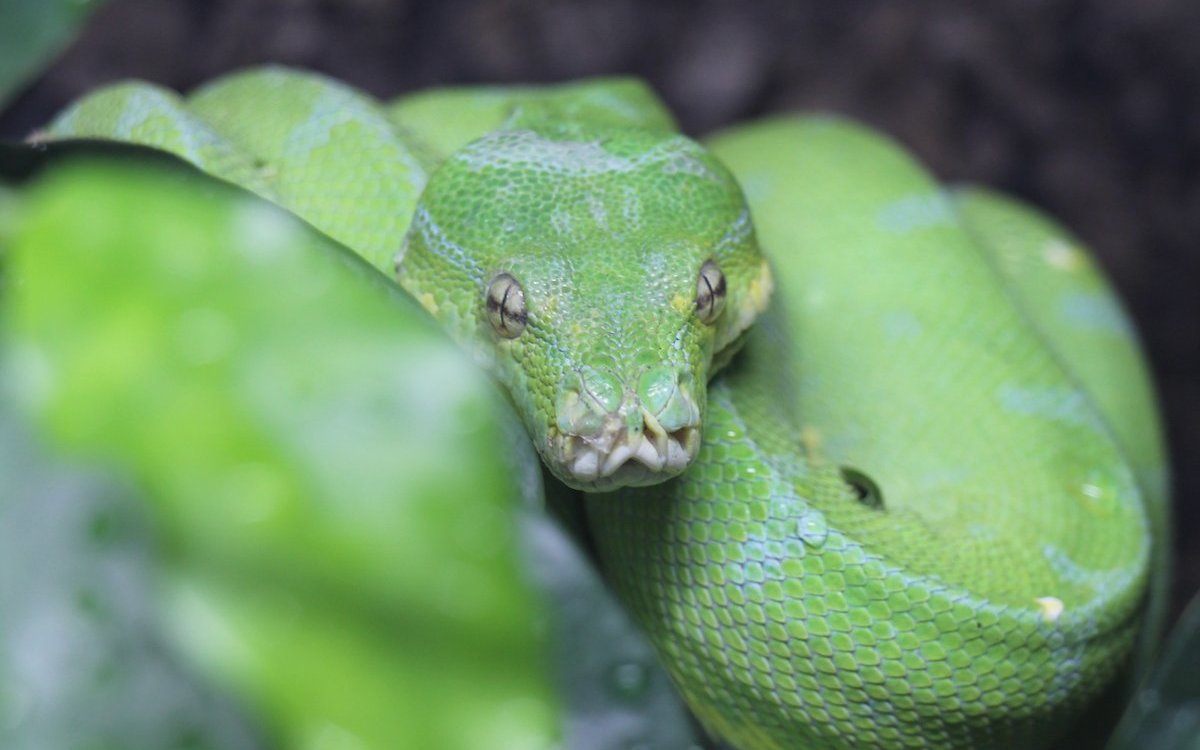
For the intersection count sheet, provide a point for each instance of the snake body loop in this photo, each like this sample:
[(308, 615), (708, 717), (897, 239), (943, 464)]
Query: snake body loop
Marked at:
[(898, 485)]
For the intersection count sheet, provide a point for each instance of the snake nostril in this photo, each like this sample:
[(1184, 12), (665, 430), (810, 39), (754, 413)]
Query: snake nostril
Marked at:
[(865, 490)]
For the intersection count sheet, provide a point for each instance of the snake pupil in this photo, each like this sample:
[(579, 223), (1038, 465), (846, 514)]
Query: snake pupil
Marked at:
[(864, 488), (710, 292), (505, 303)]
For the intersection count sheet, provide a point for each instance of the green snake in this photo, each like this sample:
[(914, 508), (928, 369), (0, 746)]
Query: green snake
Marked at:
[(873, 463)]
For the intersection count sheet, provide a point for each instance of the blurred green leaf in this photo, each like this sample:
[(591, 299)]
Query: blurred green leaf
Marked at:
[(333, 517), (616, 693), (80, 663), (32, 32)]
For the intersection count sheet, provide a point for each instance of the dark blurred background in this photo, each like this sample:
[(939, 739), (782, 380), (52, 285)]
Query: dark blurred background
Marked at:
[(1090, 110)]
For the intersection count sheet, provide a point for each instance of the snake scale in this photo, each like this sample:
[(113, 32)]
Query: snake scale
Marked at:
[(874, 463)]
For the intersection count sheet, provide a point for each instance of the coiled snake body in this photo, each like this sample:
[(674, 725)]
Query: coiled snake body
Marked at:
[(874, 464)]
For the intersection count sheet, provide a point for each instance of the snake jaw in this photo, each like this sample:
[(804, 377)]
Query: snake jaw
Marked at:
[(621, 458), (612, 431)]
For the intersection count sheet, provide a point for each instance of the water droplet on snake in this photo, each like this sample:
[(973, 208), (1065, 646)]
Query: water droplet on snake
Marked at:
[(812, 528), (1098, 493), (629, 680)]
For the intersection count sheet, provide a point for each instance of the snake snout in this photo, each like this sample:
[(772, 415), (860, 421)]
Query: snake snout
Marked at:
[(611, 435)]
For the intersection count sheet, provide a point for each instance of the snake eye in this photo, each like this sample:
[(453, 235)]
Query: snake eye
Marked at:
[(710, 292), (506, 306), (864, 488)]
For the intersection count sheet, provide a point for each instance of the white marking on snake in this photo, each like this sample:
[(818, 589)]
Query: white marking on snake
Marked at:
[(1051, 606), (916, 212), (1057, 403), (437, 241), (1094, 312), (143, 103), (1062, 256), (526, 149), (336, 107)]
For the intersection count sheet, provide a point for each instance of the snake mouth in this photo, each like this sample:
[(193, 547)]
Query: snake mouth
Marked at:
[(621, 458)]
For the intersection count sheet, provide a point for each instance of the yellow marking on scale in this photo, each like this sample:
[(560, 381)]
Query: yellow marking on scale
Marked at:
[(427, 302), (760, 290), (811, 438)]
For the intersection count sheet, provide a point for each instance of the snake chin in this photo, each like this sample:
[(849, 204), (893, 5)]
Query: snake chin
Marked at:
[(613, 460)]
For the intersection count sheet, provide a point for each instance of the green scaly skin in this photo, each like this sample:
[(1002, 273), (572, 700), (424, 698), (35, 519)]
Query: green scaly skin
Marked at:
[(978, 577)]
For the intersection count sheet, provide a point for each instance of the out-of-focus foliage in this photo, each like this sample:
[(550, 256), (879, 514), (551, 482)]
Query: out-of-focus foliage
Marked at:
[(613, 691), (325, 554), (31, 33), (1165, 712), (616, 694), (81, 664)]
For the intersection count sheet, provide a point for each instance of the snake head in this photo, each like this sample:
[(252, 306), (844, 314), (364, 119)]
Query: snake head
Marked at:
[(601, 274)]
